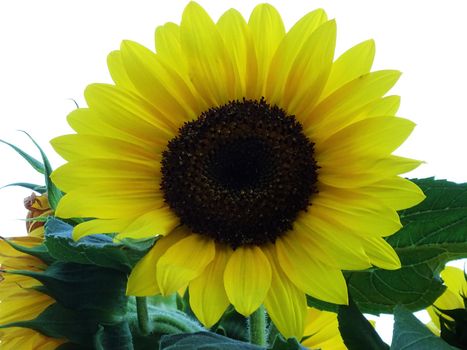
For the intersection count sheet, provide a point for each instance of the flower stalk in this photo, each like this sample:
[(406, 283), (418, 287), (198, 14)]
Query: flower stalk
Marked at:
[(143, 318), (257, 322)]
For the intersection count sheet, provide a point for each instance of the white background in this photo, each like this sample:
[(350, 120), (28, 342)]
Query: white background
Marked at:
[(50, 51)]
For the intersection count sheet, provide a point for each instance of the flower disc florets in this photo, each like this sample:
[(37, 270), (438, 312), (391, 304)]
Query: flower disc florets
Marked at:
[(240, 173)]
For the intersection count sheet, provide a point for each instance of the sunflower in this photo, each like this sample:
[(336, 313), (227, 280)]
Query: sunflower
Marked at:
[(451, 326), (38, 209), (264, 166), (19, 299), (322, 331)]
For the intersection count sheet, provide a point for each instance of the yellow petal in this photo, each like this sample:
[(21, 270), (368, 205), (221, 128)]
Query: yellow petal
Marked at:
[(268, 31), (210, 64), (360, 214), (131, 114), (247, 278), (159, 83), (287, 52), (155, 222), (381, 253), (239, 43), (91, 203), (183, 262), (336, 109), (388, 105), (99, 226), (78, 146), (310, 274), (168, 46), (378, 137), (455, 280), (396, 192), (310, 71), (117, 70), (322, 328), (328, 236), (208, 299), (365, 171), (82, 173), (285, 303), (143, 278), (350, 65)]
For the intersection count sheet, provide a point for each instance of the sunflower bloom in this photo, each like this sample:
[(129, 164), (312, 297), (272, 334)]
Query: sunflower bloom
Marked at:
[(38, 208), (453, 298), (19, 300), (264, 165)]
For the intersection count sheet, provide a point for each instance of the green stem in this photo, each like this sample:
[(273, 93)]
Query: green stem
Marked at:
[(258, 327), (143, 318)]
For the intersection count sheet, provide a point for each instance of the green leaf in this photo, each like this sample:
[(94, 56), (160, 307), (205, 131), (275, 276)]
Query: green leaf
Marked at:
[(54, 194), (115, 337), (37, 188), (233, 325), (410, 333), (98, 292), (434, 233), (203, 341), (97, 250), (38, 166), (356, 331)]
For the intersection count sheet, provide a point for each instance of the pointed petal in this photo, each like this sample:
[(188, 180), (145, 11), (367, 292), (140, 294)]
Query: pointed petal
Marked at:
[(143, 278), (350, 65), (78, 146), (169, 47), (155, 222), (285, 303), (381, 253), (117, 70), (96, 226), (131, 114), (158, 83), (455, 280), (287, 52), (310, 274), (208, 299), (247, 278), (377, 137), (310, 71), (336, 109), (323, 331), (183, 262), (268, 31), (239, 43), (210, 64), (396, 192)]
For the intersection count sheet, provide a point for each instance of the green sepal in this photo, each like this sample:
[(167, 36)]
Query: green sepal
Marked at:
[(59, 322), (73, 346), (286, 344), (115, 337), (233, 325), (54, 194), (433, 234), (203, 341), (34, 187), (410, 333), (356, 331), (97, 292), (321, 305), (39, 251), (37, 165), (98, 249)]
